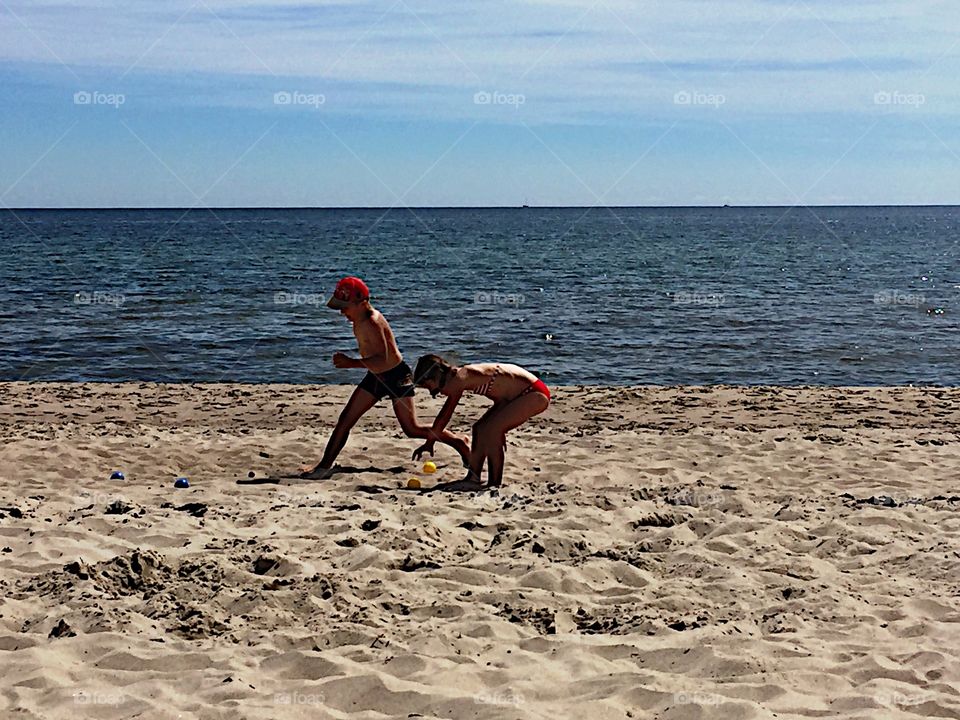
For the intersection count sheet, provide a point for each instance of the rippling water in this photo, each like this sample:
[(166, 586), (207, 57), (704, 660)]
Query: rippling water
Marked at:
[(612, 296)]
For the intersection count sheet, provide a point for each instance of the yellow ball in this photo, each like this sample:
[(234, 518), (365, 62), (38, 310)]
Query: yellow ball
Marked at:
[(413, 483), (429, 467)]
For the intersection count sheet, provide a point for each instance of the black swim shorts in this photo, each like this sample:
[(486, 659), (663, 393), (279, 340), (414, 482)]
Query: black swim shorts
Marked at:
[(396, 382)]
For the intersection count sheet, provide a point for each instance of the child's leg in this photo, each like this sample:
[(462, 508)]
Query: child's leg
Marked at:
[(406, 413), (478, 456), (480, 448), (359, 403), (495, 427)]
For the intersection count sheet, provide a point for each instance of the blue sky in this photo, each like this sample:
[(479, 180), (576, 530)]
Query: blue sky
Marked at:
[(408, 102)]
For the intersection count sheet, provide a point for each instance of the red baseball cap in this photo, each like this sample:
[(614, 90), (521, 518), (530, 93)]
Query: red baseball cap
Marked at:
[(349, 290)]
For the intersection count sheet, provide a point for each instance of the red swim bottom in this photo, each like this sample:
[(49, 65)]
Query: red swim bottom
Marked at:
[(539, 386)]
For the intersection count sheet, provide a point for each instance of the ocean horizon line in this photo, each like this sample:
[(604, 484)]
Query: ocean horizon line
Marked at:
[(471, 207)]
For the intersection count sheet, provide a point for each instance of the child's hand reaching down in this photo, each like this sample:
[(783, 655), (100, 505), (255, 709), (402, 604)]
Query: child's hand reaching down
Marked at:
[(427, 447)]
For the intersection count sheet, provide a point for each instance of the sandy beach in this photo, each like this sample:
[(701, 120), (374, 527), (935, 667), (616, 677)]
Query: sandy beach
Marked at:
[(692, 552)]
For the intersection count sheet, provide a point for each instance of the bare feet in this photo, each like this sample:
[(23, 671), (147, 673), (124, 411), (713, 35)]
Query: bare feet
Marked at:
[(315, 472), (471, 483), (463, 447)]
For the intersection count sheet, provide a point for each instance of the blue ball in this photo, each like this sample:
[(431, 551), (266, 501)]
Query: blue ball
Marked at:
[(117, 475), (181, 483)]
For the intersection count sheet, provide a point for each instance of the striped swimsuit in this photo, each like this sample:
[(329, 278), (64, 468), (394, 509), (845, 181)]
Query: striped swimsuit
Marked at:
[(485, 388), (536, 386)]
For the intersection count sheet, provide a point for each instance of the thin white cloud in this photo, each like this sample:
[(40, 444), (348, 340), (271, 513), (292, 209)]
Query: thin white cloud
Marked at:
[(569, 59)]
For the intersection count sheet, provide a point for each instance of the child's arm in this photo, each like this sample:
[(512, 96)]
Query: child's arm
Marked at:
[(446, 412), (373, 341), (438, 429), (341, 360), (444, 436)]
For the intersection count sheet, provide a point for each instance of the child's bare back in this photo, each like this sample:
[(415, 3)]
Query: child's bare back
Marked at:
[(500, 382)]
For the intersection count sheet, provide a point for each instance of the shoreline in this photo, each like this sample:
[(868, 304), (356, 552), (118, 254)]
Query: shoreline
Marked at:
[(652, 406)]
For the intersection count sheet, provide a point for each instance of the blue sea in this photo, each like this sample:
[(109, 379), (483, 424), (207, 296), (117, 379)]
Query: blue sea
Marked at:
[(827, 296)]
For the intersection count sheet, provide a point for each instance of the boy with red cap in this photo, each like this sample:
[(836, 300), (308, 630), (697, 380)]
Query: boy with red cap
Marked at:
[(387, 375)]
